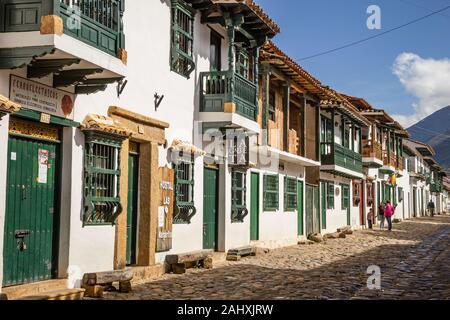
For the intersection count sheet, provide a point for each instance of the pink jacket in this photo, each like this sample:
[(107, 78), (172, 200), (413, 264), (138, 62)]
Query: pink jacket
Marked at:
[(389, 211)]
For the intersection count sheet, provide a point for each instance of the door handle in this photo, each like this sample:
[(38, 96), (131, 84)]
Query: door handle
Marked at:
[(24, 192)]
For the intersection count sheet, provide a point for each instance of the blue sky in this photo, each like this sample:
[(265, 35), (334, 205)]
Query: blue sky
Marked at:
[(366, 70)]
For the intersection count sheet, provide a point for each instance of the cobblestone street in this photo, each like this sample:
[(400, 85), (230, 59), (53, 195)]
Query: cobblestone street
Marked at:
[(414, 261)]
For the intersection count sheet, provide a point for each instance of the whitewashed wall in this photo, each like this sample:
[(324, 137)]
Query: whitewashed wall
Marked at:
[(279, 228), (337, 217)]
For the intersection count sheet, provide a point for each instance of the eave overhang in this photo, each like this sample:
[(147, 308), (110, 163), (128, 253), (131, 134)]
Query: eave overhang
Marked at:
[(256, 22)]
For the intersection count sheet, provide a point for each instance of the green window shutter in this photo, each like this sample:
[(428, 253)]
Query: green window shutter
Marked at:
[(184, 189), (290, 194), (101, 178), (238, 195), (345, 199), (271, 190), (182, 38), (330, 195)]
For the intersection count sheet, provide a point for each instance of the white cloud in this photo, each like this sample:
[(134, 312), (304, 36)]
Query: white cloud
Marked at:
[(426, 79)]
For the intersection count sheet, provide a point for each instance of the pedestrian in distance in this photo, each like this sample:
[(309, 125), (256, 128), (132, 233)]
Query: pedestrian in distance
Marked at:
[(370, 218), (431, 207), (381, 215), (389, 211)]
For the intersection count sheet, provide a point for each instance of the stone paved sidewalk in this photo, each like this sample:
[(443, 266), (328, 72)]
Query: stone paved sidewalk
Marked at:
[(414, 261)]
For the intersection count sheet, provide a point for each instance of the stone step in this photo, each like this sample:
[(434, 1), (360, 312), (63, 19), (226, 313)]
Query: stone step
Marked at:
[(36, 288), (66, 294), (240, 252)]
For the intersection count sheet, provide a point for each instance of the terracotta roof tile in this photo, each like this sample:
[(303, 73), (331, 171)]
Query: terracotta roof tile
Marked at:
[(8, 106), (104, 124)]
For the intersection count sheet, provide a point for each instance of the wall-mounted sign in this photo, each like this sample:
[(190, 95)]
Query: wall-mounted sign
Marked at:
[(165, 209), (238, 150), (39, 97)]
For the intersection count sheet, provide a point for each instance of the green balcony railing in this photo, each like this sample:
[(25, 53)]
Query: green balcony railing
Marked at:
[(335, 154), (215, 91), (95, 22)]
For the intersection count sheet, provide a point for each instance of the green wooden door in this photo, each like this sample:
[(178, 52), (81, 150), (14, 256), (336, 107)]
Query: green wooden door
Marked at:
[(132, 208), (210, 208), (29, 252), (254, 207), (300, 208), (323, 206)]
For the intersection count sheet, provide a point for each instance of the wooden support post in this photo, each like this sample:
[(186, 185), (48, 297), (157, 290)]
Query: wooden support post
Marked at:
[(286, 109), (303, 113), (265, 105), (317, 132)]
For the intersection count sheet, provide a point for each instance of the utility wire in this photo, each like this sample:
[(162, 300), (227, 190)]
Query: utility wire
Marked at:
[(422, 7), (375, 36)]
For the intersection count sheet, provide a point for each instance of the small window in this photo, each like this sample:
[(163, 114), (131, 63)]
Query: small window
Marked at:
[(345, 202), (272, 96), (356, 193), (184, 189), (101, 179), (330, 195), (271, 185), (238, 196), (290, 194), (243, 64), (182, 49)]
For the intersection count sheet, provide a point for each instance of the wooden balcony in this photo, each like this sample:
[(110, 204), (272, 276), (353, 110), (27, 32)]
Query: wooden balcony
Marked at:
[(372, 150), (215, 92), (389, 161), (401, 163), (94, 22), (334, 154)]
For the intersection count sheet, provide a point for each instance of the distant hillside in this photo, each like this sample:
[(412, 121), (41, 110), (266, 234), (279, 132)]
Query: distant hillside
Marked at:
[(435, 131)]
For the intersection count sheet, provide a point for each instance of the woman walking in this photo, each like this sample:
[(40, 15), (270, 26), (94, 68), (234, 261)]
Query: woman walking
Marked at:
[(389, 211), (381, 215)]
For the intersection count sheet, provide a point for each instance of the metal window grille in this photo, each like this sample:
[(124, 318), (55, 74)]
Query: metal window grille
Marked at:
[(271, 191), (101, 180), (184, 189), (290, 194), (238, 195), (182, 50)]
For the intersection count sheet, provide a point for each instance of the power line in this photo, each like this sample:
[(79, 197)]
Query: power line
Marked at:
[(375, 36), (422, 7)]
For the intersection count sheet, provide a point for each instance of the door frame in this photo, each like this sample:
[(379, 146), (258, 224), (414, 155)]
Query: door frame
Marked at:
[(258, 197), (135, 241), (56, 250), (216, 227), (300, 208)]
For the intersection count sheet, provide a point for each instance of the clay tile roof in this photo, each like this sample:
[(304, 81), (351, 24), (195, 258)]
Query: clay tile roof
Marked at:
[(328, 97), (186, 147), (8, 106), (104, 124), (262, 15)]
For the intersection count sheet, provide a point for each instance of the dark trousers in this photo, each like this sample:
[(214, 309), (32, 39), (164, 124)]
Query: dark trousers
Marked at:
[(370, 223), (389, 220)]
